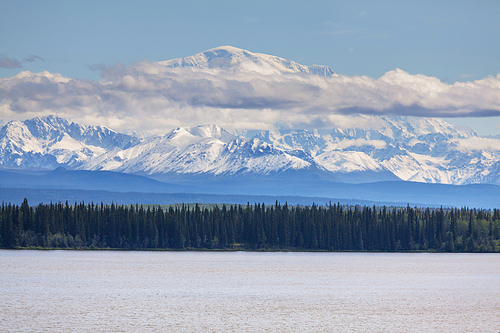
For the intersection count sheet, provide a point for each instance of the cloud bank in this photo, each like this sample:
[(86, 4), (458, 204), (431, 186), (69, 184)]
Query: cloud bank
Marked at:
[(149, 97)]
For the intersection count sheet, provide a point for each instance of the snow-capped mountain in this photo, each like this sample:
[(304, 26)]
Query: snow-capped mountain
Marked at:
[(203, 149), (50, 142), (414, 149), (239, 60)]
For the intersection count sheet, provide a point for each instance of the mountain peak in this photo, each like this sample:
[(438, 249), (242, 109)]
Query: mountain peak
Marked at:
[(229, 58), (189, 135), (212, 131), (47, 127)]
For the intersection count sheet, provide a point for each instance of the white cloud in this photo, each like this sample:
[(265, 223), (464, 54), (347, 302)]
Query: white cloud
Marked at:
[(377, 144), (147, 96), (477, 143)]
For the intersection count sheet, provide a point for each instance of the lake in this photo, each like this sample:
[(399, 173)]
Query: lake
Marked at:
[(119, 291)]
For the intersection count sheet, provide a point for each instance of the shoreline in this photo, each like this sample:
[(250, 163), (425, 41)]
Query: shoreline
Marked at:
[(229, 250)]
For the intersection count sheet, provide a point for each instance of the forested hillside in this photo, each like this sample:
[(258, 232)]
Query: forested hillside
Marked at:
[(253, 227)]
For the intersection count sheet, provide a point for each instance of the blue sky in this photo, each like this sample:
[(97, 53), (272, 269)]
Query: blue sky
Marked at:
[(450, 40)]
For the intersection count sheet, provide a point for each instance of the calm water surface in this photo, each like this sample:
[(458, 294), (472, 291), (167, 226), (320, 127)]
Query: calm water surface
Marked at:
[(84, 291)]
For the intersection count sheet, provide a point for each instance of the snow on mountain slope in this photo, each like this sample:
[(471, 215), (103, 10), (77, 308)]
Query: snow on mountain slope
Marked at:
[(190, 149), (51, 141), (412, 149), (310, 142), (202, 149), (238, 60), (347, 161), (415, 149), (256, 156)]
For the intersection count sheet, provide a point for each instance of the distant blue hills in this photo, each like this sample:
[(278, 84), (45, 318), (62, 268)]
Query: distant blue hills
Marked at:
[(106, 186)]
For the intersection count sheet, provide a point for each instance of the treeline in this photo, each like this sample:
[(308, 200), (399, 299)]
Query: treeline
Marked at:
[(273, 227)]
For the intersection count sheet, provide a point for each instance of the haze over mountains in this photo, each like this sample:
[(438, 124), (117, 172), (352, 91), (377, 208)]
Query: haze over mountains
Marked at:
[(281, 161)]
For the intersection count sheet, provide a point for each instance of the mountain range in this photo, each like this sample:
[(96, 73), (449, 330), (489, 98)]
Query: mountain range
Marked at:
[(210, 159), (411, 149)]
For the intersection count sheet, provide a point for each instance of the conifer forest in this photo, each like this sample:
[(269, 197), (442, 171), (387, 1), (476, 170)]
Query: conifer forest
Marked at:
[(278, 227)]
